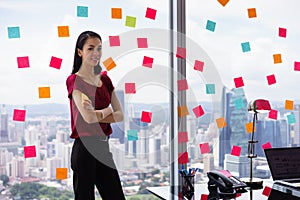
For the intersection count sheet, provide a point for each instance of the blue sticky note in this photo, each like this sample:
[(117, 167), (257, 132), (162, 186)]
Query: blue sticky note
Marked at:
[(210, 89), (82, 11), (210, 25), (239, 103), (132, 135), (291, 118), (246, 46), (13, 32)]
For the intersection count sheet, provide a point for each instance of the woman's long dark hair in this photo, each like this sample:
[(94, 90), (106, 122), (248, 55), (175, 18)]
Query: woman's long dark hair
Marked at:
[(79, 45)]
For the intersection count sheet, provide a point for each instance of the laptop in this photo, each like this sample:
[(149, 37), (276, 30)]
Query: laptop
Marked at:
[(284, 164)]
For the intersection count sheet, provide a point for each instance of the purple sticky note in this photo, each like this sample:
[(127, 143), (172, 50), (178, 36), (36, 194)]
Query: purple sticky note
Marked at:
[(236, 151), (282, 32), (130, 88), (239, 82), (181, 52), (266, 145), (29, 152), (182, 85), (271, 79), (55, 62), (198, 111), (297, 66), (198, 65), (147, 62), (19, 115), (204, 148), (150, 13), (182, 137), (114, 41), (146, 117), (273, 114), (142, 42), (23, 62)]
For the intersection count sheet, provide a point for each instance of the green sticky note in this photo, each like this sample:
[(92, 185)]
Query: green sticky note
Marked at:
[(132, 135), (130, 21), (13, 32), (238, 103), (82, 11), (291, 118), (210, 89)]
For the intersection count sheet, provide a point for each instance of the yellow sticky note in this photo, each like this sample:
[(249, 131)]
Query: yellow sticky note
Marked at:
[(116, 13), (251, 12), (109, 63), (63, 31), (249, 127), (182, 111), (221, 123), (277, 58), (84, 97), (44, 92), (61, 173), (289, 105)]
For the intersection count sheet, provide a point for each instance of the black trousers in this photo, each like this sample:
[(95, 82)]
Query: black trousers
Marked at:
[(93, 165)]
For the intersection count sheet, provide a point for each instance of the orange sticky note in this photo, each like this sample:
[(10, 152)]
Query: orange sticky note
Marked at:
[(183, 111), (223, 2), (109, 63), (249, 127), (221, 123), (116, 13), (289, 105), (251, 12), (44, 92), (277, 58), (61, 173), (63, 31)]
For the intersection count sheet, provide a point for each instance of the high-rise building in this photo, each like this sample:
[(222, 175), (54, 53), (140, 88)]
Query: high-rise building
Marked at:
[(296, 126), (18, 167), (238, 165), (118, 128), (208, 163), (52, 164), (4, 125)]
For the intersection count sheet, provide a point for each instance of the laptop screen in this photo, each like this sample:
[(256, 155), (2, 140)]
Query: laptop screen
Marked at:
[(284, 163)]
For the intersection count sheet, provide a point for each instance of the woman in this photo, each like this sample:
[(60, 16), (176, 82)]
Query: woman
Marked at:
[(91, 94)]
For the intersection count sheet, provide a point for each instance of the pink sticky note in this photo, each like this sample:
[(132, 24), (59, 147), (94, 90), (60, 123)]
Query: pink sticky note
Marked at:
[(142, 42), (181, 52), (114, 41), (23, 62), (236, 151), (204, 148), (182, 137), (146, 117), (150, 13), (29, 152), (130, 88), (55, 62), (204, 197), (238, 82), (182, 84), (183, 158), (266, 145), (271, 79), (19, 115), (297, 66), (198, 111), (147, 62), (198, 65), (273, 114), (267, 191), (282, 32)]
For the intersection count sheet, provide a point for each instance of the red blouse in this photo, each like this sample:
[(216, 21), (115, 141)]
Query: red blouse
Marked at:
[(100, 97)]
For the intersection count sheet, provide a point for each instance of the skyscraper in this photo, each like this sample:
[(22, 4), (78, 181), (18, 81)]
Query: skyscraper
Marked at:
[(118, 128), (4, 125)]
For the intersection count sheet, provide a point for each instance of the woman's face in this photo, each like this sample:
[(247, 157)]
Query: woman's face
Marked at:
[(91, 51)]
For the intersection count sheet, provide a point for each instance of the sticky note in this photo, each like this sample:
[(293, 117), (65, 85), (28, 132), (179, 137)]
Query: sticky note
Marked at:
[(55, 62), (63, 31), (266, 145), (13, 32), (236, 150), (267, 191), (289, 105), (182, 111), (23, 62), (182, 85), (183, 158), (146, 117), (297, 66), (239, 82), (277, 58), (291, 118), (142, 42), (130, 88), (147, 62), (204, 148), (44, 92), (239, 103), (130, 21), (210, 89), (84, 97), (181, 52), (183, 137), (109, 63), (29, 152), (198, 65), (221, 122), (150, 13), (82, 11), (251, 12), (114, 41), (282, 32), (61, 173), (246, 46), (116, 13), (19, 115), (132, 135), (271, 79), (223, 2), (198, 111), (210, 25), (273, 114), (249, 127)]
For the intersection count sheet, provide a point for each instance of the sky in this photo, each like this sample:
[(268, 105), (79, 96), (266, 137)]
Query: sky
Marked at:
[(220, 49)]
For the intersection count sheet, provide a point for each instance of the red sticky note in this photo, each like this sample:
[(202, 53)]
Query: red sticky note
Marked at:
[(238, 82), (23, 62), (273, 114), (266, 145), (114, 41), (182, 137), (55, 62), (182, 84), (271, 79), (282, 32), (147, 62), (198, 65), (146, 117), (29, 152), (204, 197), (142, 42), (198, 111), (297, 66), (236, 151), (267, 191), (130, 88), (204, 148), (19, 115), (181, 52), (183, 158), (150, 13)]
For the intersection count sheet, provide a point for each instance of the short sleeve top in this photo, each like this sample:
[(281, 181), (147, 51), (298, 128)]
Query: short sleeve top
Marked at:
[(100, 97)]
